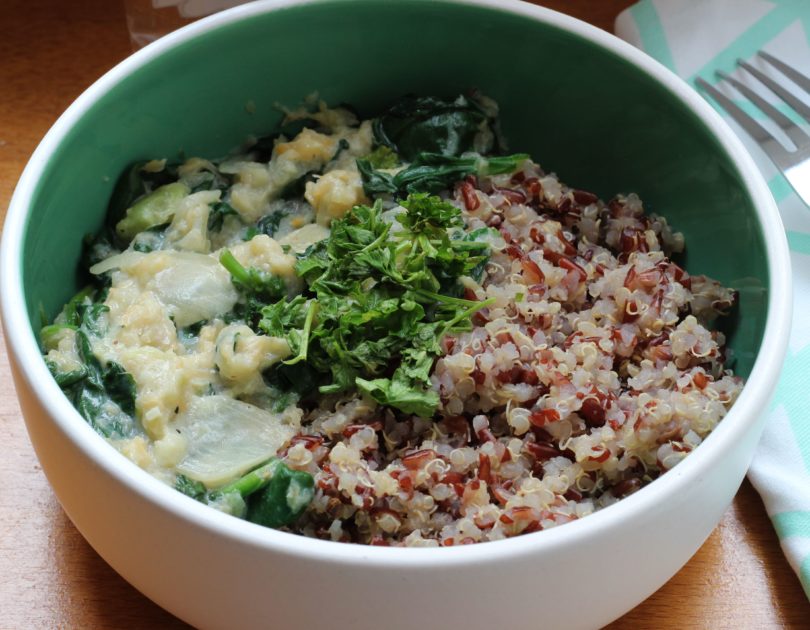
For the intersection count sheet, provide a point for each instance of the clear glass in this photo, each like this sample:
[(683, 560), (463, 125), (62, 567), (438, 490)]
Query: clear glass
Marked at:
[(147, 20)]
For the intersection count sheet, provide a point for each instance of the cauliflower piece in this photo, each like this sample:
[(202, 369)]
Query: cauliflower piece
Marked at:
[(266, 254), (300, 239), (62, 351), (257, 184), (334, 194), (189, 228), (160, 380), (241, 355), (307, 147), (144, 322)]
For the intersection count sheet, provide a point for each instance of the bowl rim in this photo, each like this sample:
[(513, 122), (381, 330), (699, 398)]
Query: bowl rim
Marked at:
[(25, 353)]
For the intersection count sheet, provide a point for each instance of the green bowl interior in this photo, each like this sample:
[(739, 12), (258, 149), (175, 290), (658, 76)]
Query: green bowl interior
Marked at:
[(588, 115)]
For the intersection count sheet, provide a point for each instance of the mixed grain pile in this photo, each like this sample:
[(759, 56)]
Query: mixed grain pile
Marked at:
[(594, 372)]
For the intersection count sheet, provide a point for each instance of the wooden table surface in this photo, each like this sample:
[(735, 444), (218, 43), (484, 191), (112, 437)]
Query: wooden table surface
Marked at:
[(50, 51)]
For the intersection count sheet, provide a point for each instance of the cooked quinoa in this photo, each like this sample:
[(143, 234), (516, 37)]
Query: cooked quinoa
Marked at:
[(567, 362)]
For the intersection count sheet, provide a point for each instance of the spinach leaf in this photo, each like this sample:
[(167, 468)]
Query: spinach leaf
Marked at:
[(150, 239), (262, 149), (120, 387), (72, 308), (343, 145), (270, 223), (216, 216), (97, 248), (426, 123), (103, 394), (66, 379), (432, 172), (189, 333), (283, 499), (275, 495), (208, 180), (190, 488), (296, 188), (91, 318)]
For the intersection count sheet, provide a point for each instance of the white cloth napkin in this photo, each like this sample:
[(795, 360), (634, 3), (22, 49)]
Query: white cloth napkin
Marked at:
[(694, 39)]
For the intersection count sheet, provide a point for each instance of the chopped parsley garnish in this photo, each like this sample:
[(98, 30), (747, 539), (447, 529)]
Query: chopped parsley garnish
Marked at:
[(379, 299)]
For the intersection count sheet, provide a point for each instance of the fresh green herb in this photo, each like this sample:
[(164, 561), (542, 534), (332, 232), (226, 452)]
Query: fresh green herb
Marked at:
[(379, 304), (429, 216), (257, 288), (251, 280), (480, 237), (400, 392), (292, 320), (299, 342), (432, 172), (425, 123)]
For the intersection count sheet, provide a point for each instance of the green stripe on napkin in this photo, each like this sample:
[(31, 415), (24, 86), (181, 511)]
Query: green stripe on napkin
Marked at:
[(780, 188), (653, 38), (792, 524), (799, 242)]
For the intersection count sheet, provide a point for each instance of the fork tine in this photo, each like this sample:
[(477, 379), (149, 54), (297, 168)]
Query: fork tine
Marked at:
[(793, 131), (763, 137), (777, 89), (794, 75)]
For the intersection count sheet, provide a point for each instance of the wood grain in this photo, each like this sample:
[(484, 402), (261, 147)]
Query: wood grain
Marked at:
[(50, 577)]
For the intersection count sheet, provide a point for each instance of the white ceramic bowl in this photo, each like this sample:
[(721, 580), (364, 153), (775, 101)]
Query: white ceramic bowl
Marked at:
[(215, 571)]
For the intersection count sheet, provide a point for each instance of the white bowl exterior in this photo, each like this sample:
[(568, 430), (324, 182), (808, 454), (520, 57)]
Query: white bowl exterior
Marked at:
[(218, 572), (212, 581)]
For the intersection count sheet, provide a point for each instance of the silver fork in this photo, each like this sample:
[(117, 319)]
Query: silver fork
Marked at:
[(794, 163)]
